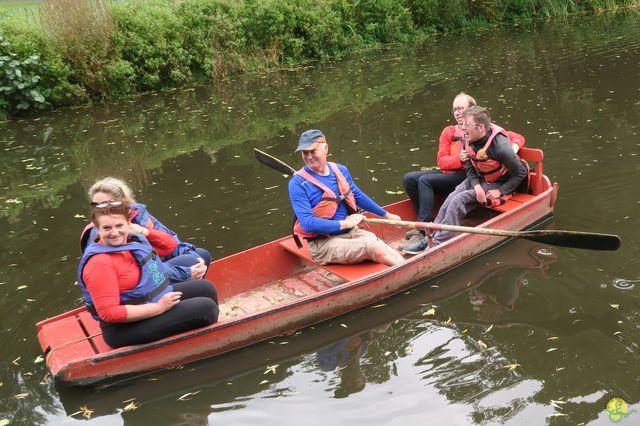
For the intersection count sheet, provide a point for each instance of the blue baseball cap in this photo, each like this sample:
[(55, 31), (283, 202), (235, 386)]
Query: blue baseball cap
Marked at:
[(309, 139)]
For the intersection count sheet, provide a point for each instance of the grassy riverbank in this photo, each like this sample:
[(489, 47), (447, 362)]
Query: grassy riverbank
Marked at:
[(83, 51)]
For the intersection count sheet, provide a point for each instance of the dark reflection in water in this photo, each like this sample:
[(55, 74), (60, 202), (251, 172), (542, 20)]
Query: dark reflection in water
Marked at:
[(532, 336)]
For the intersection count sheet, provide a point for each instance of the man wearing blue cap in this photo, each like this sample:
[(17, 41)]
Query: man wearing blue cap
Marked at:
[(325, 200)]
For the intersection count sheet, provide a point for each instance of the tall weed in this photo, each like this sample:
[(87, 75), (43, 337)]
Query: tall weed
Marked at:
[(83, 30)]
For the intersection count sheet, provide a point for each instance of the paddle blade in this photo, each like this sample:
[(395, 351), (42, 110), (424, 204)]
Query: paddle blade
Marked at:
[(273, 162), (581, 240)]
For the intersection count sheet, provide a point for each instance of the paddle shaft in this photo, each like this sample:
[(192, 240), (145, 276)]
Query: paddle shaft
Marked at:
[(575, 239)]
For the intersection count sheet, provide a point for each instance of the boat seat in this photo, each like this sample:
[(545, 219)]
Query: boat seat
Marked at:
[(346, 272), (512, 203), (534, 157)]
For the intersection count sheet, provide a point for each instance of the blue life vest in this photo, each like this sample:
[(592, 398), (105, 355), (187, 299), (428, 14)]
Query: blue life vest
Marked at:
[(142, 218), (154, 281)]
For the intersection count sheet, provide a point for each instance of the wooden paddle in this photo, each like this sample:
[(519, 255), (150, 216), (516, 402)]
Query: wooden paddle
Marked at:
[(575, 239), (554, 237)]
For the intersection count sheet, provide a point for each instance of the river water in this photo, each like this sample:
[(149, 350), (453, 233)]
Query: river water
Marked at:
[(533, 335)]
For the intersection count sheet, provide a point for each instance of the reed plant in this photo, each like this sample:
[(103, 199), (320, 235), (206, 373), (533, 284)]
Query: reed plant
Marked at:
[(83, 29)]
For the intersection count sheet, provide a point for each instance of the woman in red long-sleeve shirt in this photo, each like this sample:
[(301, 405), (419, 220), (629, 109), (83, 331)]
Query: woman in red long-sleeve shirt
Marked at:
[(128, 288), (423, 186)]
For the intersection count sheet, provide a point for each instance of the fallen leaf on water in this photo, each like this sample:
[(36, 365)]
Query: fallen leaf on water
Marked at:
[(22, 395), (614, 305), (379, 306), (489, 329), (387, 353), (86, 411), (429, 312), (414, 149), (557, 403), (4, 422), (374, 179), (393, 192), (448, 320), (186, 396), (343, 325), (552, 349), (80, 216), (512, 366), (132, 406), (272, 369), (553, 338), (15, 361), (38, 359), (617, 332), (482, 344), (559, 368), (21, 287), (263, 382)]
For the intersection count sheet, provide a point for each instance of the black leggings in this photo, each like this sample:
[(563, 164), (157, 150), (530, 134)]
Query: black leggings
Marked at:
[(198, 307), (423, 186)]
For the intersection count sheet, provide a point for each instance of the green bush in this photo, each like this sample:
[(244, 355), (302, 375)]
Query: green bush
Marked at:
[(50, 76), (150, 38)]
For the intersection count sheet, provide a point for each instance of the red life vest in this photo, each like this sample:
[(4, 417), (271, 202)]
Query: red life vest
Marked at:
[(490, 169), (329, 202)]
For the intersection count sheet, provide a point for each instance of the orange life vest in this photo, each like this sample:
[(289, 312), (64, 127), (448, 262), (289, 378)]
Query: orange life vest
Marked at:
[(490, 169), (329, 202)]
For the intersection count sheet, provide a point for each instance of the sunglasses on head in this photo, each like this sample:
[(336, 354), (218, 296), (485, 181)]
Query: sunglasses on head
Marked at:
[(104, 204)]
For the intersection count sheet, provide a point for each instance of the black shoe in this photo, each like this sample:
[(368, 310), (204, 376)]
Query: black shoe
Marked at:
[(416, 248), (412, 241)]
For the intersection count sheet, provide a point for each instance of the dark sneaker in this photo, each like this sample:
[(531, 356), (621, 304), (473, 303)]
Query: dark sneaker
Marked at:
[(416, 248), (412, 241), (409, 235)]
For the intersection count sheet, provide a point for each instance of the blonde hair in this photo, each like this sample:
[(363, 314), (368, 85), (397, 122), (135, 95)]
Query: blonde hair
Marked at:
[(114, 187), (470, 100)]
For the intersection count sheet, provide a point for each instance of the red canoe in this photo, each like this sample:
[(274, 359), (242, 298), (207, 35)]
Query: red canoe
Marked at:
[(275, 288)]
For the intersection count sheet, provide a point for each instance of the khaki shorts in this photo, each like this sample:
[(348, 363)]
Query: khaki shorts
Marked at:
[(352, 247)]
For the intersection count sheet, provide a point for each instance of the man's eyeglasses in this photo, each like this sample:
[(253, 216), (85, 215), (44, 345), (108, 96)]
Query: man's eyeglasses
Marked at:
[(104, 204), (459, 108)]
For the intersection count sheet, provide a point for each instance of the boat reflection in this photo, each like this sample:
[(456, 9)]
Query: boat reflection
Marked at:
[(493, 282)]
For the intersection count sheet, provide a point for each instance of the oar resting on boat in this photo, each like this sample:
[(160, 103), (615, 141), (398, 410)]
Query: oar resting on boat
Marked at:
[(554, 237)]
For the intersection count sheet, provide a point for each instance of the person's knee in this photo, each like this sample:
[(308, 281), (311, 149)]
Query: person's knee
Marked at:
[(425, 181), (205, 255), (409, 180)]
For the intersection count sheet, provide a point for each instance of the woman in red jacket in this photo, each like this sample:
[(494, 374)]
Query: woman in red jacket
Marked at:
[(134, 295)]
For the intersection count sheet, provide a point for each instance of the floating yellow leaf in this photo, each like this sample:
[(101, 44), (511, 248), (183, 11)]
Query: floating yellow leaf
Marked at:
[(482, 344), (263, 382), (379, 306), (22, 395), (552, 349), (38, 359), (448, 320), (132, 406), (430, 312), (557, 403), (559, 368), (489, 329), (4, 422), (553, 338), (15, 361), (272, 369), (343, 325), (512, 366), (80, 216), (86, 411), (614, 305), (21, 287), (393, 192)]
